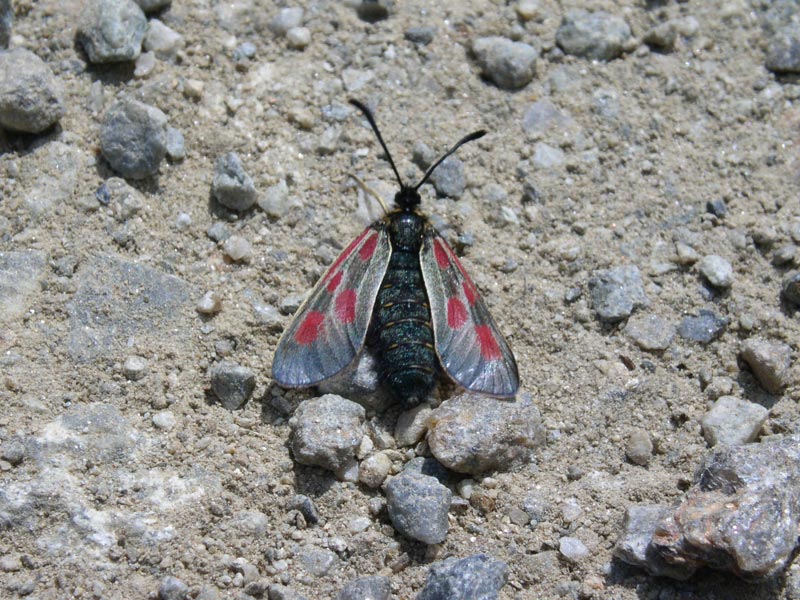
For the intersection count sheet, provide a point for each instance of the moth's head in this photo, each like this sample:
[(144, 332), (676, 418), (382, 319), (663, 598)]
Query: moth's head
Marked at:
[(407, 199)]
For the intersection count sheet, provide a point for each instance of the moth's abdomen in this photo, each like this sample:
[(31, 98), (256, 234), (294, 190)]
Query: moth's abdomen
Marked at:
[(403, 330)]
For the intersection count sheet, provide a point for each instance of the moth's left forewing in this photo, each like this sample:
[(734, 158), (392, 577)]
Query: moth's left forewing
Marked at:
[(470, 347)]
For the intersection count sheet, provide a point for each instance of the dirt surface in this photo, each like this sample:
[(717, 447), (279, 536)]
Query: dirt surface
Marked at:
[(104, 503)]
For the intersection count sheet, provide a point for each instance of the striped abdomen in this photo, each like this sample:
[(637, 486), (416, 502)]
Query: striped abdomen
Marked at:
[(403, 331)]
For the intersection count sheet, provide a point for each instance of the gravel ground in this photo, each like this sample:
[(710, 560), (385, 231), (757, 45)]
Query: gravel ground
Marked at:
[(631, 219)]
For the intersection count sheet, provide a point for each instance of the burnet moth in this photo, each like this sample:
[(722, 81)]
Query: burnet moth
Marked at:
[(398, 288)]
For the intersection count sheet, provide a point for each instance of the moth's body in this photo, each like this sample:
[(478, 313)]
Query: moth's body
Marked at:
[(399, 287), (401, 329)]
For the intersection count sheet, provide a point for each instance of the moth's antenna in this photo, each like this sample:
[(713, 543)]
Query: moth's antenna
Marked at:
[(472, 136), (368, 114)]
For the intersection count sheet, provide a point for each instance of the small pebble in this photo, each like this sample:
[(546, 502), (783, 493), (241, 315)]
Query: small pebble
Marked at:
[(164, 420), (31, 100), (635, 547), (13, 452), (617, 292), (111, 30), (732, 421), (785, 255), (509, 65), (704, 328), (663, 36), (10, 563), (285, 20), (770, 362), (176, 149), (448, 178), (219, 232), (571, 510), (547, 157), (640, 447), (411, 425), (133, 138), (6, 23), (161, 40), (686, 254), (783, 50), (373, 11), (528, 9), (183, 221), (238, 249), (791, 289), (135, 368), (298, 37), (306, 507), (421, 36), (418, 506), (317, 561), (326, 432), (717, 207), (376, 587), (149, 6), (172, 588), (275, 200), (209, 304), (476, 577), (374, 469), (232, 383), (231, 185), (572, 549), (125, 201), (650, 332), (717, 271), (595, 35)]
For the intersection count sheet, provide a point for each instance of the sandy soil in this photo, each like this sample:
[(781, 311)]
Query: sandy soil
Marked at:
[(109, 504)]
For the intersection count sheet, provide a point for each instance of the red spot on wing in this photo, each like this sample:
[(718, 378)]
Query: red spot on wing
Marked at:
[(442, 258), (368, 249), (469, 291), (310, 328), (490, 350), (343, 256), (345, 309), (456, 313), (334, 283)]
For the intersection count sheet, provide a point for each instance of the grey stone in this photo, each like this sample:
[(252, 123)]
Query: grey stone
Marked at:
[(704, 328), (421, 36), (783, 51), (617, 292), (542, 116), (124, 200), (572, 549), (149, 6), (21, 274), (30, 96), (161, 40), (238, 249), (134, 368), (112, 30), (510, 65), (245, 50), (791, 289), (373, 11), (232, 383), (476, 577), (717, 207), (13, 452), (717, 271), (662, 36), (376, 587), (298, 37), (317, 561), (175, 144), (118, 300), (306, 507), (6, 22), (411, 425), (474, 434), (282, 592), (275, 200), (172, 588), (286, 19), (418, 506), (232, 186), (640, 447), (431, 467), (448, 178), (326, 432), (133, 138), (650, 332), (635, 547), (547, 157), (535, 568), (374, 469), (770, 362), (596, 35), (165, 420), (732, 421), (740, 515)]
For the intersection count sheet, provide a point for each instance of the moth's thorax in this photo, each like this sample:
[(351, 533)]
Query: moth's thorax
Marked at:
[(406, 229)]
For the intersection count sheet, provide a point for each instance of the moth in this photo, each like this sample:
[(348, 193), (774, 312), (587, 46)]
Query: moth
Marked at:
[(399, 289)]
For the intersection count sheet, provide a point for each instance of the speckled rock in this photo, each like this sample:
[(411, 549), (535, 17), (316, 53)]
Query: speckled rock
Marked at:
[(510, 65), (733, 420), (476, 577), (474, 434), (376, 587), (149, 6), (704, 327), (111, 30), (30, 96), (232, 383), (770, 362), (163, 41), (326, 432), (617, 292), (232, 186), (133, 138), (717, 271), (596, 35), (418, 506), (6, 22), (650, 332), (448, 178), (783, 52)]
